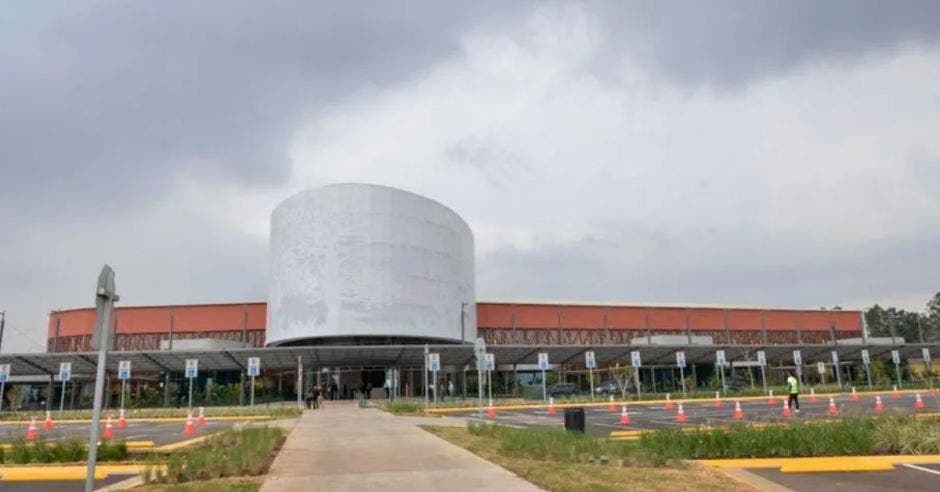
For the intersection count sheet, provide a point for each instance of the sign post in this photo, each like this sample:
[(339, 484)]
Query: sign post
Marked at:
[(896, 358), (762, 362), (591, 363), (254, 368), (65, 373), (798, 363), (124, 373), (925, 353), (490, 367), (543, 366), (4, 376), (479, 352), (424, 377), (821, 369), (105, 297), (680, 361), (866, 361), (720, 361), (636, 362), (434, 364), (836, 366), (192, 372)]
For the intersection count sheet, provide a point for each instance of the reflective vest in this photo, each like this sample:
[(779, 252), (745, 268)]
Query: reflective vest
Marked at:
[(794, 385)]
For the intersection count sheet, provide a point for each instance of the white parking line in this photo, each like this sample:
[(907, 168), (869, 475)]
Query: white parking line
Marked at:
[(928, 470)]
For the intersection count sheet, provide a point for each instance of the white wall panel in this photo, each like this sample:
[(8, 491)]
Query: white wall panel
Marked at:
[(361, 260)]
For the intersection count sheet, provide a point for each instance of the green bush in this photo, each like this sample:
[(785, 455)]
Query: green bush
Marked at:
[(826, 438), (67, 451), (907, 435)]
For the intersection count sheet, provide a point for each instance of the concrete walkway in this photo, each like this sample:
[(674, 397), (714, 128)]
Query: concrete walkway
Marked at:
[(343, 447)]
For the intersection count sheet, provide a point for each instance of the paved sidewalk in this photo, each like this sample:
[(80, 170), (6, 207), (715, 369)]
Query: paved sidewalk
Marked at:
[(343, 447)]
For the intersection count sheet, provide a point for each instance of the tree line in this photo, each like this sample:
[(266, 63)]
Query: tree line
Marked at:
[(912, 326)]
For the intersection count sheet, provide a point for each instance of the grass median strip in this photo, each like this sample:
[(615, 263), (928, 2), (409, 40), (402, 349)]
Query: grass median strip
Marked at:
[(560, 461), (239, 452)]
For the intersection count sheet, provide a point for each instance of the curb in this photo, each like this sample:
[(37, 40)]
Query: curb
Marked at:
[(824, 464)]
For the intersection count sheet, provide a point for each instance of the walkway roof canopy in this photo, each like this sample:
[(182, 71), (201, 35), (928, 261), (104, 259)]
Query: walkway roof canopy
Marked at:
[(285, 358)]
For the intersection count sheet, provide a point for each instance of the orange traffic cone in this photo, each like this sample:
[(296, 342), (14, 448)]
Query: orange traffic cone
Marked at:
[(31, 431), (895, 393), (202, 416), (738, 413), (770, 399), (624, 416), (717, 399), (812, 395), (786, 410), (833, 409), (918, 403), (108, 429), (879, 407), (668, 405), (854, 394), (490, 411), (48, 423), (680, 415), (610, 406), (551, 406), (122, 422), (189, 429)]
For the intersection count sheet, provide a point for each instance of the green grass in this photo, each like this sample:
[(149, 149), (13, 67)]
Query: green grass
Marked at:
[(277, 411), (239, 484), (557, 445), (243, 452), (585, 463), (403, 407), (850, 436), (68, 451)]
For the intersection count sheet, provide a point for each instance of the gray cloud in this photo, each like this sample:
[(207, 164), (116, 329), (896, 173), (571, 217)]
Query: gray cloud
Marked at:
[(137, 92), (730, 43), (118, 122)]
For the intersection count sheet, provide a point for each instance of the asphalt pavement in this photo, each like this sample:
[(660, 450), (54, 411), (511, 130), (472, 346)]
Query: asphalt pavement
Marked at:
[(599, 420), (161, 433)]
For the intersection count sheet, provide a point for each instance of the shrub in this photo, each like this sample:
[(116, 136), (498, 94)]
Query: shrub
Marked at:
[(907, 435), (233, 453)]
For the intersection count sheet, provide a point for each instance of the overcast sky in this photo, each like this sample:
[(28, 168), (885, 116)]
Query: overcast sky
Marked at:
[(763, 153)]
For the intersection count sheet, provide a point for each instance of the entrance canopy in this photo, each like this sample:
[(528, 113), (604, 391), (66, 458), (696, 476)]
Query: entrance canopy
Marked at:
[(286, 358)]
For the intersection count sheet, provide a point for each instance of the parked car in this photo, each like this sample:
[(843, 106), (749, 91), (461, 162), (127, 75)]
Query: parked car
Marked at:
[(610, 387), (562, 389)]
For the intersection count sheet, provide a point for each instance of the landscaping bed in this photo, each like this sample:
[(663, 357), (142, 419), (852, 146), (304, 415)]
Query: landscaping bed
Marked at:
[(235, 453), (69, 451), (560, 461)]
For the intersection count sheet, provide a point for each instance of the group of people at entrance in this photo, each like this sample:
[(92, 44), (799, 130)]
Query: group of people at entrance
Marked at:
[(315, 398)]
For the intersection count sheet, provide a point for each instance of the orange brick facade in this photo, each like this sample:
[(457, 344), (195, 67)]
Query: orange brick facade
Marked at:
[(143, 328)]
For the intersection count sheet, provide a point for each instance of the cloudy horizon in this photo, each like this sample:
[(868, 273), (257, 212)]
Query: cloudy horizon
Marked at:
[(781, 154)]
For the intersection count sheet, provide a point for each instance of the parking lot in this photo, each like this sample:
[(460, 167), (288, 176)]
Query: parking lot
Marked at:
[(599, 420), (160, 433)]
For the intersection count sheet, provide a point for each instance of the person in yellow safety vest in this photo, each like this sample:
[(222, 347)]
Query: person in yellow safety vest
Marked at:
[(793, 385)]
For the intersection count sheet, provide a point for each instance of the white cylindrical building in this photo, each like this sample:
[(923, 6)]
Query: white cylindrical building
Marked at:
[(363, 264)]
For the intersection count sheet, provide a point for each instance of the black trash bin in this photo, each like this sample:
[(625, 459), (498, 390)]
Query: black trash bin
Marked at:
[(574, 419)]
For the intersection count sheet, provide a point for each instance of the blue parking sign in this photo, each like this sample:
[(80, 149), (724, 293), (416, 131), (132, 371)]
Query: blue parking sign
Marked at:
[(124, 369)]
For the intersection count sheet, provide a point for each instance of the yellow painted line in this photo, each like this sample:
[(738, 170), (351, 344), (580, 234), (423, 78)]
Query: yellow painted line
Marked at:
[(152, 419), (826, 463), (629, 403), (182, 444), (59, 472)]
